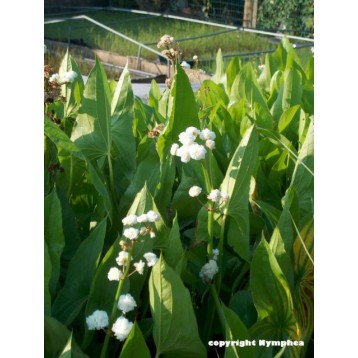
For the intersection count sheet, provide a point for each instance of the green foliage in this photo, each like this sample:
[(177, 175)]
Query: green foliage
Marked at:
[(175, 329), (135, 345), (54, 238), (105, 163), (237, 185), (293, 15), (74, 293)]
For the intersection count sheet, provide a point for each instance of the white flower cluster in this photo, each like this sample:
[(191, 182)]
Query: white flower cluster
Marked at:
[(191, 149), (114, 274), (97, 320), (209, 270), (194, 191), (215, 195), (126, 303), (67, 77), (122, 258), (132, 233), (216, 254), (123, 326), (151, 258), (139, 266), (218, 196), (150, 217)]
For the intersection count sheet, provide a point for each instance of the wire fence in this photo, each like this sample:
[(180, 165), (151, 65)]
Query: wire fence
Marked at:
[(74, 24)]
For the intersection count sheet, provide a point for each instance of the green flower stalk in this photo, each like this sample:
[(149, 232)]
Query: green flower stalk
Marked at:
[(120, 326)]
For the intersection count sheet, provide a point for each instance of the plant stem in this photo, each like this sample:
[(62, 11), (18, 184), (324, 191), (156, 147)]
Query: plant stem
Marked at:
[(221, 250), (206, 176), (111, 179), (115, 306), (210, 230), (70, 179), (210, 211), (209, 322), (218, 307)]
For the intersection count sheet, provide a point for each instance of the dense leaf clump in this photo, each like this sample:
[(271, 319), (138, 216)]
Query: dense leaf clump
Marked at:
[(218, 246)]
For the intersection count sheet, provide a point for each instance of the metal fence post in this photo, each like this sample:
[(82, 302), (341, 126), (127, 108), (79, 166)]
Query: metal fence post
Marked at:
[(138, 56)]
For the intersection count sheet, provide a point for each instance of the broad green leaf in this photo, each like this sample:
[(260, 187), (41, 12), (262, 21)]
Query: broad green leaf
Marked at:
[(165, 104), (135, 345), (80, 274), (154, 95), (175, 328), (310, 70), (237, 184), (303, 293), (164, 189), (56, 339), (262, 116), (61, 140), (246, 86), (47, 272), (217, 125), (72, 91), (281, 142), (290, 93), (236, 330), (242, 304), (142, 119), (92, 130), (275, 85), (280, 172), (308, 98), (289, 120), (238, 115), (272, 298), (112, 87), (54, 237), (303, 180), (122, 112), (219, 76), (282, 237), (99, 183), (186, 207), (183, 113), (210, 94), (265, 76), (66, 353), (292, 90), (148, 172), (174, 252), (285, 56), (230, 126), (277, 246), (232, 71), (270, 211), (70, 226)]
